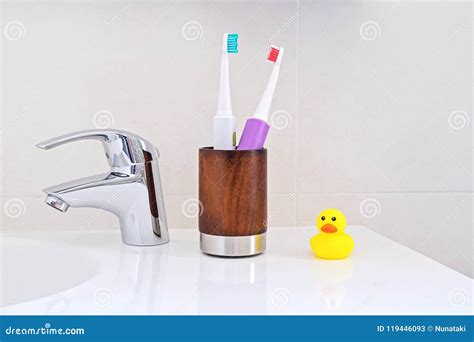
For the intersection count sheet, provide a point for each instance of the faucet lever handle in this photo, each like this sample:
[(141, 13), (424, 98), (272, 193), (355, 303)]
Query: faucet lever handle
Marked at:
[(121, 148)]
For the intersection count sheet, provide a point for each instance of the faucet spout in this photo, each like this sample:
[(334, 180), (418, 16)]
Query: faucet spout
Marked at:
[(57, 203), (94, 192)]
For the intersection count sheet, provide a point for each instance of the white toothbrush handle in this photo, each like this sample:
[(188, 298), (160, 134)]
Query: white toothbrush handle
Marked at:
[(224, 105), (224, 133)]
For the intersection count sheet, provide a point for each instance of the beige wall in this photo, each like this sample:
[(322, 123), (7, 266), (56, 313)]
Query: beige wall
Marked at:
[(372, 113)]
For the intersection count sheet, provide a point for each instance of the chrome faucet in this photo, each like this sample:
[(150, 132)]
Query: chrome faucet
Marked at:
[(131, 190)]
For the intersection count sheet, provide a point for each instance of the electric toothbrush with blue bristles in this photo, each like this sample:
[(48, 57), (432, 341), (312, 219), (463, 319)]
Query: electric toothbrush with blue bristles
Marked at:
[(224, 120)]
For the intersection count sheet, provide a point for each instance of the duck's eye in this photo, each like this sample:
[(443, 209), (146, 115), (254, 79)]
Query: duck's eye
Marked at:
[(333, 218), (323, 218)]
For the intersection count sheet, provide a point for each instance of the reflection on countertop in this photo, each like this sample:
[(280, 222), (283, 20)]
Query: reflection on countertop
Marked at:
[(331, 277), (381, 277)]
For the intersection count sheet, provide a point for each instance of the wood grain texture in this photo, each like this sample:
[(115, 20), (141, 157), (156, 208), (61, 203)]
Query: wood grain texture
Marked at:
[(233, 192)]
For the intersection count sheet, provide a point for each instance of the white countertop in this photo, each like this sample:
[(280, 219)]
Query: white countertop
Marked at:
[(92, 272)]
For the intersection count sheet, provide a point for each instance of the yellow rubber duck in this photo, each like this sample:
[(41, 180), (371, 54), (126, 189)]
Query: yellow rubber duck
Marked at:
[(331, 242)]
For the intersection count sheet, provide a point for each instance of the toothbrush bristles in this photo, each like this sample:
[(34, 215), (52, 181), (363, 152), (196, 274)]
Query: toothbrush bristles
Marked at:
[(232, 44), (273, 55)]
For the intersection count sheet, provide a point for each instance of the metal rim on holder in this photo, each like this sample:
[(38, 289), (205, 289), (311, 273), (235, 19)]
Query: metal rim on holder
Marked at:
[(233, 246)]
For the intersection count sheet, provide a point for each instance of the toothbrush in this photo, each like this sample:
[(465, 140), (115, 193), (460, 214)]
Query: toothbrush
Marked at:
[(256, 128), (224, 120)]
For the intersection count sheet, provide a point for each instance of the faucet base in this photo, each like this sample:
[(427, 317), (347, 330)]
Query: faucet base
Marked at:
[(145, 243), (233, 246), (138, 235)]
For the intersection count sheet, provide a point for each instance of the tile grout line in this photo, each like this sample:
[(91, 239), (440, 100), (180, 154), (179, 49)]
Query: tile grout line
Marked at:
[(298, 26), (461, 192)]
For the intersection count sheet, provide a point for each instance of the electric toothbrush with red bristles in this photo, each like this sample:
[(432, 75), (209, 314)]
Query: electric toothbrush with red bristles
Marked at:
[(256, 128)]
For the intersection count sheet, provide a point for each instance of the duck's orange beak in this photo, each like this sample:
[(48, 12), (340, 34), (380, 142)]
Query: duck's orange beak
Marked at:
[(328, 228)]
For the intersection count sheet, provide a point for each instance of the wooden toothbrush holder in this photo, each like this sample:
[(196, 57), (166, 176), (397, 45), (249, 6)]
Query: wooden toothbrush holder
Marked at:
[(233, 200)]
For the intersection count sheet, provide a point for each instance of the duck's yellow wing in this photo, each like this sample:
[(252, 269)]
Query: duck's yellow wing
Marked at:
[(332, 247)]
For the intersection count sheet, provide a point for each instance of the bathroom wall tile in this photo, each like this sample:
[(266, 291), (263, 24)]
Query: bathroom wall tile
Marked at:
[(385, 103), (151, 68), (49, 93), (182, 211), (282, 210), (438, 225)]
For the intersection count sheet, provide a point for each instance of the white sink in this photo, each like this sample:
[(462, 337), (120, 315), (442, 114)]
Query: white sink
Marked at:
[(34, 269), (92, 272)]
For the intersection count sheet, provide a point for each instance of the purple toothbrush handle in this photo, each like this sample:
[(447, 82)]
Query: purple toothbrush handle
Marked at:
[(254, 134)]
